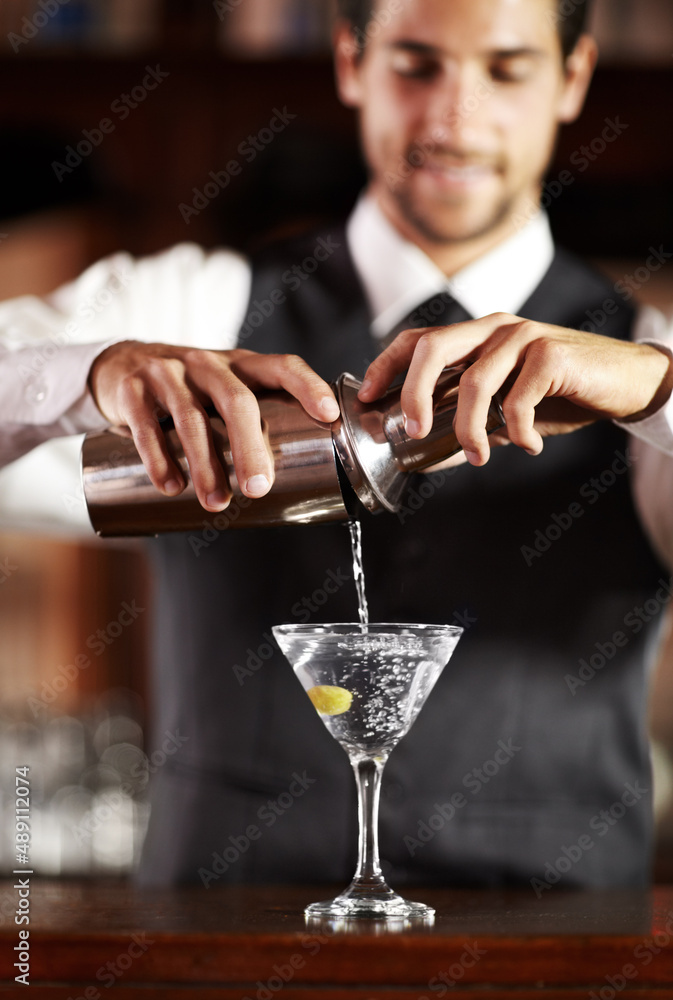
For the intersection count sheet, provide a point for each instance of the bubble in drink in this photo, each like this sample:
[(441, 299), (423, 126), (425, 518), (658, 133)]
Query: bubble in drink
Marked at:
[(377, 682)]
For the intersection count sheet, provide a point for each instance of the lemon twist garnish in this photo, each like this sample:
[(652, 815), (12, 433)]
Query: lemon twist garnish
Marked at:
[(330, 700)]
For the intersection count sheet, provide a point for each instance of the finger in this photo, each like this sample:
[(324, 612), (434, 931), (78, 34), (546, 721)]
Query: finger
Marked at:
[(474, 401), (194, 431), (292, 373), (478, 385), (436, 349), (531, 386), (461, 340), (166, 381), (208, 476), (389, 364), (239, 409), (416, 399), (138, 411)]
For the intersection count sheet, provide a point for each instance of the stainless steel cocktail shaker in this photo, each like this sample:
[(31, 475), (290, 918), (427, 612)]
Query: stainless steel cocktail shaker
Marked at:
[(321, 470)]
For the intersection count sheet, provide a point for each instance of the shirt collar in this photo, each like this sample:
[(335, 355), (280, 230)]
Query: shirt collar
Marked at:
[(398, 276)]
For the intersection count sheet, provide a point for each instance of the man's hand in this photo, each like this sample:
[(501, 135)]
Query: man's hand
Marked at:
[(135, 384), (554, 380)]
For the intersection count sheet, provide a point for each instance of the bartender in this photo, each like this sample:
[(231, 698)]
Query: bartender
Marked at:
[(459, 103)]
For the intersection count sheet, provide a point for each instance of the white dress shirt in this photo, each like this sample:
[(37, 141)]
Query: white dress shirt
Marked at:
[(190, 297), (398, 276)]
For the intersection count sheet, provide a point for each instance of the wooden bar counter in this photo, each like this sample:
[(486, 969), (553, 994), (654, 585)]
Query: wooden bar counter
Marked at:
[(252, 942)]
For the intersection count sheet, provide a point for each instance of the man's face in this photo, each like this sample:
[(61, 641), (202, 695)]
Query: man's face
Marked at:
[(460, 102)]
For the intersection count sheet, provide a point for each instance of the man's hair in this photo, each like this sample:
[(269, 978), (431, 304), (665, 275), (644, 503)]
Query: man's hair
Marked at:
[(570, 19)]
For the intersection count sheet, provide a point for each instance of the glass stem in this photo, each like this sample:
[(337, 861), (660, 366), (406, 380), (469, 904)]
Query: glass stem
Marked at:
[(368, 773)]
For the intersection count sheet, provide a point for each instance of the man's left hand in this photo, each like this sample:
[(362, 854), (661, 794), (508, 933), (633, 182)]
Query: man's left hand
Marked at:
[(553, 380)]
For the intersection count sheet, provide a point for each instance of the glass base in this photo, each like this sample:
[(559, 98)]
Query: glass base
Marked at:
[(369, 902)]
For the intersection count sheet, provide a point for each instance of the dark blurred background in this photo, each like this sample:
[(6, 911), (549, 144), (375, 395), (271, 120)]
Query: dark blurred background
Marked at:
[(113, 115), (227, 65)]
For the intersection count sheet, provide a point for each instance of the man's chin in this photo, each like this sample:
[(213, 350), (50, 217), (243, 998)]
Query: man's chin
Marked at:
[(455, 233), (442, 225)]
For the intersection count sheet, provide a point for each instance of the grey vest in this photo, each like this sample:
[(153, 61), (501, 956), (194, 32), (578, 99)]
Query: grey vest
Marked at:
[(530, 760)]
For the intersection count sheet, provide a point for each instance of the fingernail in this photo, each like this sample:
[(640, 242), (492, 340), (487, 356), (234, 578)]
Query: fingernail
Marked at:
[(329, 407), (217, 499), (412, 427), (473, 456), (257, 486), (172, 487), (365, 387)]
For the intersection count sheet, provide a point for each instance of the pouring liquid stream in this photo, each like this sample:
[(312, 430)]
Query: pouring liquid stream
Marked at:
[(355, 529)]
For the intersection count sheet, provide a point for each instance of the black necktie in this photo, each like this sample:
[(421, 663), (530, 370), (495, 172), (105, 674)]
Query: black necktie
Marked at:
[(440, 309)]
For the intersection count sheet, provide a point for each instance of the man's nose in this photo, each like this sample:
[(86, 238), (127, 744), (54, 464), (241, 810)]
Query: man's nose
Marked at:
[(458, 105)]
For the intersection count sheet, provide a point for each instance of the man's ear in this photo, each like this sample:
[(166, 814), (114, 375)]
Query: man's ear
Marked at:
[(579, 69), (347, 59)]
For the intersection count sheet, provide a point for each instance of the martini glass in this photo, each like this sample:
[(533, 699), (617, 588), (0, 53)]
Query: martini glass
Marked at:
[(368, 684)]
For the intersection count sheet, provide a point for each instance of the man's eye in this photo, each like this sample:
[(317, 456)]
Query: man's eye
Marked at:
[(515, 71), (414, 68)]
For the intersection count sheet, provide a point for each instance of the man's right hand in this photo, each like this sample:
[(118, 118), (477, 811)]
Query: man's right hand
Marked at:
[(136, 384)]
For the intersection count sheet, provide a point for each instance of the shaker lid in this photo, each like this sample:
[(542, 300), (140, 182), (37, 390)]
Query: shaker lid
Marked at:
[(364, 449)]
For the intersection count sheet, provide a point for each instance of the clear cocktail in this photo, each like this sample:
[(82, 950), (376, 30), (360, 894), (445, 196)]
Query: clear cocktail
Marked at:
[(368, 684)]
